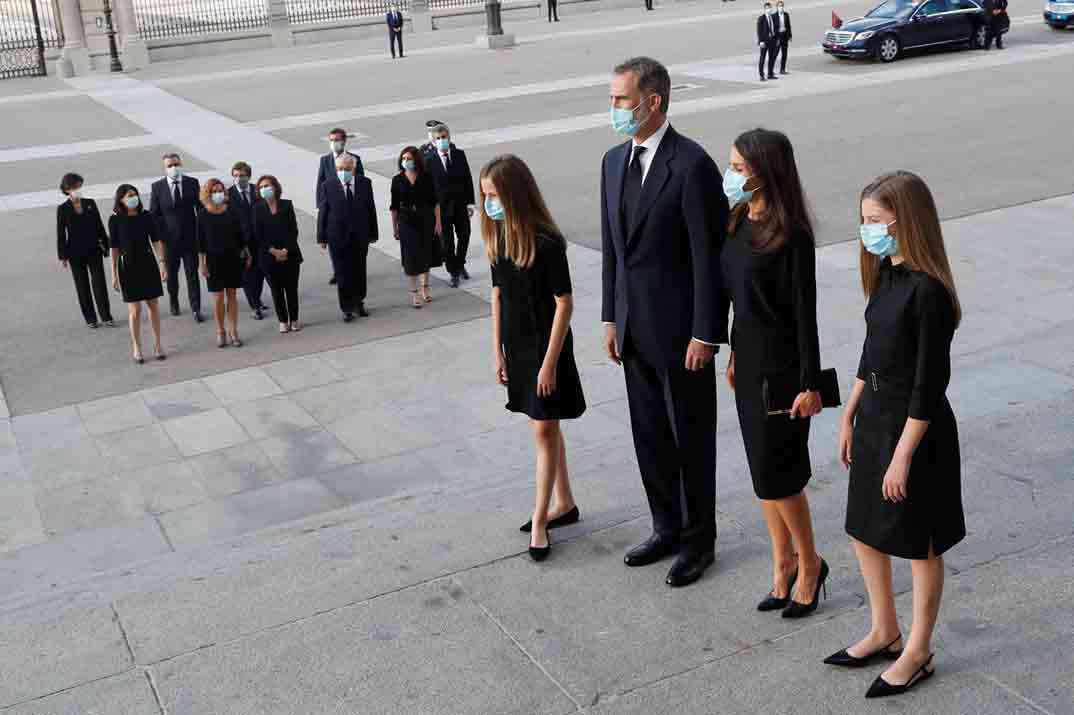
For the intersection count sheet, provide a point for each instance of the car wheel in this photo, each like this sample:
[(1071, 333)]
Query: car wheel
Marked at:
[(980, 35), (888, 48)]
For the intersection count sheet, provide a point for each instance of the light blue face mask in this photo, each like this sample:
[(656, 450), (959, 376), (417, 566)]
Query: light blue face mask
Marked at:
[(443, 144), (409, 165), (877, 240), (344, 175), (733, 183), (132, 202), (218, 198), (623, 121), (267, 192), (494, 209)]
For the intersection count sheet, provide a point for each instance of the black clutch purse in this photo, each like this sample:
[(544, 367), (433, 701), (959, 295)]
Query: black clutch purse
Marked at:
[(780, 391)]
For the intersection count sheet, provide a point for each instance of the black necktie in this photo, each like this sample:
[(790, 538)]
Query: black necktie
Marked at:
[(769, 23), (632, 188), (350, 195), (176, 196)]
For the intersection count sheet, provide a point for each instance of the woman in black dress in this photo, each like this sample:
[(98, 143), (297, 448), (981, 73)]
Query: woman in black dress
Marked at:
[(531, 335), (898, 436), (416, 222), (276, 233), (81, 245), (769, 273), (138, 268), (224, 258)]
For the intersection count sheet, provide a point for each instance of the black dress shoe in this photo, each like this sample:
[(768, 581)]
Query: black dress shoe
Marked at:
[(362, 311), (882, 688), (454, 281), (798, 610), (540, 553), (348, 317), (762, 78), (564, 519), (332, 281), (198, 317), (110, 323), (175, 310), (462, 271), (93, 325), (689, 568), (772, 602), (846, 660), (258, 315), (772, 76), (656, 548)]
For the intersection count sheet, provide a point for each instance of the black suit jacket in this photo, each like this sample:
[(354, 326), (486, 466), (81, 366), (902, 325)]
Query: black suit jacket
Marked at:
[(763, 34), (342, 225), (279, 230), (245, 211), (454, 187), (662, 281), (327, 170), (177, 224), (786, 25), (80, 237), (395, 21)]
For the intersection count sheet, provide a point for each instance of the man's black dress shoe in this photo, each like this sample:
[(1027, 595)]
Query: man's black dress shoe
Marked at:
[(564, 519), (175, 310), (362, 311), (332, 281), (772, 76), (463, 273), (656, 548), (689, 568), (348, 317), (258, 315), (197, 316)]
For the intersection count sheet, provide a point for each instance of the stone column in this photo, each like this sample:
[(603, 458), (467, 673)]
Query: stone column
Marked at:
[(280, 24), (494, 37), (421, 17), (74, 57), (132, 47)]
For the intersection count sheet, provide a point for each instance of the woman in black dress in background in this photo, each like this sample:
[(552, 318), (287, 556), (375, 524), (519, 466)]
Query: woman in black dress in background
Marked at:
[(899, 437), (224, 258), (276, 232), (769, 273), (138, 268), (81, 244), (531, 335), (416, 222)]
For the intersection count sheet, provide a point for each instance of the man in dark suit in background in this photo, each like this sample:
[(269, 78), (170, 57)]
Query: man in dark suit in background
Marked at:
[(337, 144), (783, 32), (663, 225), (768, 41), (454, 184), (346, 225), (242, 198), (175, 205), (395, 29)]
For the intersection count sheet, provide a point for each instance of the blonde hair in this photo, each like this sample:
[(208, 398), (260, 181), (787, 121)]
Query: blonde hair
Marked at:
[(919, 235), (207, 191), (526, 215)]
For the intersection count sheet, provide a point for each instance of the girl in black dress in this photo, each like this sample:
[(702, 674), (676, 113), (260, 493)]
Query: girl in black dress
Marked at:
[(224, 258), (531, 335), (898, 437), (769, 273), (416, 222), (138, 268), (276, 233), (81, 244)]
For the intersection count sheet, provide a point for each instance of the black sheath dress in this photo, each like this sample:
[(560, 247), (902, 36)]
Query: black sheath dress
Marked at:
[(221, 239), (416, 207), (774, 334), (906, 366), (527, 310), (139, 273)]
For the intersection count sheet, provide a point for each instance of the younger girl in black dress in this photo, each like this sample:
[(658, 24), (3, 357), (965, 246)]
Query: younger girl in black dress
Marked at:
[(898, 437), (138, 268), (416, 222), (531, 335), (224, 257)]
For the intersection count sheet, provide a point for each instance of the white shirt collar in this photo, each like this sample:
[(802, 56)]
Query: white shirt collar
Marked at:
[(653, 142)]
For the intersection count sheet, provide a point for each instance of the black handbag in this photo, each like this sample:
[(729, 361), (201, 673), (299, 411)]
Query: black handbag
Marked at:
[(780, 391)]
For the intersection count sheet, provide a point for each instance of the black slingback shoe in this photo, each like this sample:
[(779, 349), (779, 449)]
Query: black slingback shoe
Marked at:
[(882, 688), (565, 519), (798, 610), (540, 553), (846, 660), (772, 602)]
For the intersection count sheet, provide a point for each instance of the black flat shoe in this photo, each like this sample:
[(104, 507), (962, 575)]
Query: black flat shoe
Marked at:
[(162, 356), (799, 610), (882, 688), (348, 317), (198, 317), (540, 553), (362, 311), (565, 519), (772, 602), (846, 660), (655, 549), (92, 326), (689, 568)]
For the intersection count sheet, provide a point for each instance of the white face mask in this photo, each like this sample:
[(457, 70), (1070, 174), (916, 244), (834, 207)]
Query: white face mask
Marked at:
[(337, 146), (75, 194), (218, 197), (175, 172)]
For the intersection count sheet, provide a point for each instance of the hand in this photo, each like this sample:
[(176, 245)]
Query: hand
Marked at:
[(846, 442), (470, 211), (163, 273), (63, 263), (249, 261), (501, 368), (396, 233), (698, 355), (731, 370), (807, 404), (611, 344), (115, 283), (439, 229), (204, 271), (546, 381), (324, 246), (894, 487)]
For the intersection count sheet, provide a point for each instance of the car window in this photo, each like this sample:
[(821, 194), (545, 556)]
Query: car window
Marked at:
[(962, 5), (933, 7), (893, 9)]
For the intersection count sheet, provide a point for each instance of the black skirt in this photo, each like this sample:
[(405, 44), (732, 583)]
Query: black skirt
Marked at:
[(567, 402), (226, 270), (932, 512), (416, 242), (777, 447), (139, 275)]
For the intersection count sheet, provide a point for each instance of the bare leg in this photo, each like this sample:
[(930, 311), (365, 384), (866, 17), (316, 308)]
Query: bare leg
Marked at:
[(412, 281), (564, 498), (794, 511), (425, 294), (876, 570), (218, 311), (546, 434), (134, 317), (782, 549), (154, 322), (928, 591), (233, 311)]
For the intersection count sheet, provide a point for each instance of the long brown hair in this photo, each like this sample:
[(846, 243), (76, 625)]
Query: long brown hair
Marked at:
[(918, 232), (771, 157), (526, 215), (207, 191)]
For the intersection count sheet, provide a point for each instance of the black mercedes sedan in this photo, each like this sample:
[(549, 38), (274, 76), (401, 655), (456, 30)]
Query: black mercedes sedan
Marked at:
[(897, 26)]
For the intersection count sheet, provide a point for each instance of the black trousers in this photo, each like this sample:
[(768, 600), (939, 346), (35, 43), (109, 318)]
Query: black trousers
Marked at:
[(784, 43), (395, 36), (455, 222), (84, 272), (553, 10), (673, 418), (768, 50), (193, 284), (648, 4), (253, 285), (350, 266), (283, 282), (994, 33)]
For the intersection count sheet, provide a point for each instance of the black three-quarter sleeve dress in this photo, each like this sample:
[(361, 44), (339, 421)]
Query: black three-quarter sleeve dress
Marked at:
[(906, 366), (774, 335), (139, 274), (222, 240), (415, 205), (527, 311)]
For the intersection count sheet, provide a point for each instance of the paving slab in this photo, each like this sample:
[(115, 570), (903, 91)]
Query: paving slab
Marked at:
[(306, 452), (47, 430), (302, 372), (20, 520), (235, 469), (180, 399), (137, 448), (115, 414), (271, 416), (74, 462), (205, 432), (128, 693), (242, 385)]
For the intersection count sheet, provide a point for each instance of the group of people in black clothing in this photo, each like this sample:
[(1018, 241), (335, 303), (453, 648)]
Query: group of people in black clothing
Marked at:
[(681, 247)]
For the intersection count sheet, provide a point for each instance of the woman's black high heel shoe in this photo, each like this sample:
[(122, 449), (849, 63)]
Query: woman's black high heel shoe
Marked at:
[(882, 688), (565, 519), (846, 660), (540, 553), (772, 602), (798, 610)]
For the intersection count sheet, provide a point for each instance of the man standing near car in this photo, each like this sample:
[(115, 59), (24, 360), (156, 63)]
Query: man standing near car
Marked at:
[(768, 41), (783, 32), (996, 21)]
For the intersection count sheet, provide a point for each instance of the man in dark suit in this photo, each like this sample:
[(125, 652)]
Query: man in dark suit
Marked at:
[(429, 146), (175, 205), (395, 29), (242, 198), (346, 225), (768, 41), (337, 144), (663, 224), (996, 22), (783, 32), (454, 184)]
